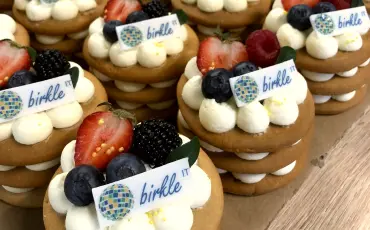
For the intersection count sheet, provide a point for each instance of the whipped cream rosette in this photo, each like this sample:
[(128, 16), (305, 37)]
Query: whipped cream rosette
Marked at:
[(258, 141), (61, 25), (141, 66), (36, 118), (231, 16), (335, 67), (14, 31), (122, 159)]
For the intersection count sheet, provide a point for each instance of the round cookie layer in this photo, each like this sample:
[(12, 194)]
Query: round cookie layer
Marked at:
[(16, 154), (56, 27), (254, 13), (145, 113), (342, 61), (333, 107), (273, 162), (31, 199), (144, 96), (21, 35), (267, 184), (66, 46), (208, 217), (171, 69), (340, 85), (236, 140), (21, 177)]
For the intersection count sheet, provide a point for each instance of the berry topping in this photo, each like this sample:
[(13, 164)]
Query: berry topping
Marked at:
[(156, 9), (50, 64), (263, 48), (109, 30), (124, 166), (120, 9), (287, 4), (339, 4), (214, 53), (243, 68), (216, 85), (137, 16), (154, 140), (299, 17), (102, 136), (12, 59), (79, 183), (20, 78), (323, 7)]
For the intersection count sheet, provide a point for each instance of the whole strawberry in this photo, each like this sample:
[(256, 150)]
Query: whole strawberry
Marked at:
[(102, 136)]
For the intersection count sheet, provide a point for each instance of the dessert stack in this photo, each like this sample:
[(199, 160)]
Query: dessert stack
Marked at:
[(58, 24), (40, 112), (139, 71), (232, 16), (333, 58), (256, 134)]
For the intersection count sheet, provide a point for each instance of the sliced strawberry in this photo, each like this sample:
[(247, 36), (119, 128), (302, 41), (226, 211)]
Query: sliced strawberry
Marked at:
[(214, 53), (120, 9), (12, 59), (287, 4), (340, 4), (101, 137)]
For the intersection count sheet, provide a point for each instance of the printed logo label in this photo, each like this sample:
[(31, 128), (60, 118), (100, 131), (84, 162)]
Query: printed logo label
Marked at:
[(156, 29), (142, 193), (338, 22), (263, 83), (37, 97)]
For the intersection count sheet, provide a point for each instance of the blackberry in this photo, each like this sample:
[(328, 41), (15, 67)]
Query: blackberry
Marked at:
[(154, 140), (50, 64), (156, 9)]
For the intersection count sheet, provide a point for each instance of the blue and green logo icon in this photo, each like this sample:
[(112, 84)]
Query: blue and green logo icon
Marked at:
[(10, 105), (131, 36), (324, 24), (116, 202), (246, 89)]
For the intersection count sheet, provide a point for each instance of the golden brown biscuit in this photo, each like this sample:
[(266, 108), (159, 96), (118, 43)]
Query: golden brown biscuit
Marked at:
[(171, 69), (21, 36), (144, 96), (31, 199), (66, 46), (15, 154), (55, 27), (333, 107), (254, 13), (205, 218), (236, 140), (340, 85), (367, 5), (268, 184), (273, 162), (145, 113), (21, 177), (341, 62)]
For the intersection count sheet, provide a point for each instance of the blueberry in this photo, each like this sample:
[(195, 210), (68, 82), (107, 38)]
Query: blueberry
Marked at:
[(216, 85), (109, 30), (136, 16), (299, 17), (124, 166), (20, 78), (243, 68), (79, 183), (323, 7)]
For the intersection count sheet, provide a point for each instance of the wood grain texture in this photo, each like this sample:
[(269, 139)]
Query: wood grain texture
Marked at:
[(337, 195)]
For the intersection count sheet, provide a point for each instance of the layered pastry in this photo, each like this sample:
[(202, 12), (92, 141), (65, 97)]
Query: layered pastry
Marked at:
[(233, 16), (10, 29), (31, 145), (61, 25), (260, 146), (143, 79), (335, 67), (121, 153)]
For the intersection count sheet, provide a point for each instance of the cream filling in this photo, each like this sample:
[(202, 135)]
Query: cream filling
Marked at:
[(35, 167), (320, 99), (17, 190)]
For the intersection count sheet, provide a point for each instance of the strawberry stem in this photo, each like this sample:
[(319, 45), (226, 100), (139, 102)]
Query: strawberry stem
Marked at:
[(222, 36), (123, 114)]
